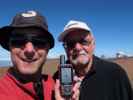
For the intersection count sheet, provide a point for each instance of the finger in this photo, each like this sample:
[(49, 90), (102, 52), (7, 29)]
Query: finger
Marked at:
[(76, 91), (57, 85), (57, 91), (76, 95), (76, 86), (77, 79)]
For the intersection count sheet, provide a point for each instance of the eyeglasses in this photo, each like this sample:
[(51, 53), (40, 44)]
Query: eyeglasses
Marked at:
[(19, 42), (71, 44)]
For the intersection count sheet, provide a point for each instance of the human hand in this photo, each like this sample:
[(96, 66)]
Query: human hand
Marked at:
[(57, 91), (75, 90)]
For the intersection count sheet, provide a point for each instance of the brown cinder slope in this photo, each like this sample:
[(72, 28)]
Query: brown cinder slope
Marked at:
[(51, 66)]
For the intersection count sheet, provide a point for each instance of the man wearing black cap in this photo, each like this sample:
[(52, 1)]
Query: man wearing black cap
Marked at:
[(28, 40)]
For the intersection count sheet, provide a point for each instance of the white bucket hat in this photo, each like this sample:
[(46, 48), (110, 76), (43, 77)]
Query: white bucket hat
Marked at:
[(73, 25)]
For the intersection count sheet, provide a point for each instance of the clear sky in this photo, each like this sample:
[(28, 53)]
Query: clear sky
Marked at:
[(111, 21)]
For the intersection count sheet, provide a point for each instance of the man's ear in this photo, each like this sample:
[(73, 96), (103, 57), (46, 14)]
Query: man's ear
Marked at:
[(93, 47), (93, 44)]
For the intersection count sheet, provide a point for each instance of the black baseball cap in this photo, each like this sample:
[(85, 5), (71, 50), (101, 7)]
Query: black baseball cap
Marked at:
[(29, 19)]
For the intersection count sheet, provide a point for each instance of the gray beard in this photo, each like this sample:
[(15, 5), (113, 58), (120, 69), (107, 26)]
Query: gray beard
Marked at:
[(77, 62)]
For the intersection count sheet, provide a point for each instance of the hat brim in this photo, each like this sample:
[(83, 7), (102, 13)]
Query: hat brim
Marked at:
[(4, 37), (5, 34), (63, 34)]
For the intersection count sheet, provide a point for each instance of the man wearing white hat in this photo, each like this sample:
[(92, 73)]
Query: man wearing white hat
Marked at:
[(100, 80)]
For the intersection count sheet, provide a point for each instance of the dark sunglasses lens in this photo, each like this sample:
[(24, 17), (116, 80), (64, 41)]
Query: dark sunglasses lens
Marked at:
[(21, 41), (17, 42), (69, 45), (39, 43)]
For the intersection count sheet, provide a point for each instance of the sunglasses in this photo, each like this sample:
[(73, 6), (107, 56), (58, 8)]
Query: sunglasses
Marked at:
[(71, 44), (19, 42)]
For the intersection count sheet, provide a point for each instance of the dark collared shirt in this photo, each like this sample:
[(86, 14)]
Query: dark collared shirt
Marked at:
[(107, 81)]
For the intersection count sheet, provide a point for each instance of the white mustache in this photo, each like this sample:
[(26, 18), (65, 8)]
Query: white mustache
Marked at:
[(82, 52), (85, 59)]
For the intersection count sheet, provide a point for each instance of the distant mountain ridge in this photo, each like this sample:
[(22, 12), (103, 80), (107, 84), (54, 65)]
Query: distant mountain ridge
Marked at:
[(5, 63)]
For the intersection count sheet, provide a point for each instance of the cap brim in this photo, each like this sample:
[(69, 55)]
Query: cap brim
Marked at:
[(63, 34), (5, 34)]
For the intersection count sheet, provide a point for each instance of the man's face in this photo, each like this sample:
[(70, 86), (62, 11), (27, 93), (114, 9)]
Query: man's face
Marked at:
[(79, 47), (27, 56)]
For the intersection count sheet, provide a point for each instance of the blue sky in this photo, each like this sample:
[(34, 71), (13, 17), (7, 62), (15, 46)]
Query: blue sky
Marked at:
[(111, 21)]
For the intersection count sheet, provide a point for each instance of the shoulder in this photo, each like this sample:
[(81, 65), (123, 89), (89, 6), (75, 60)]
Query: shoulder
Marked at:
[(4, 80), (111, 71), (106, 64), (108, 67), (48, 79), (5, 85)]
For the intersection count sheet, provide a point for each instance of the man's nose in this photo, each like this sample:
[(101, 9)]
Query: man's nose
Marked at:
[(29, 50), (78, 46)]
